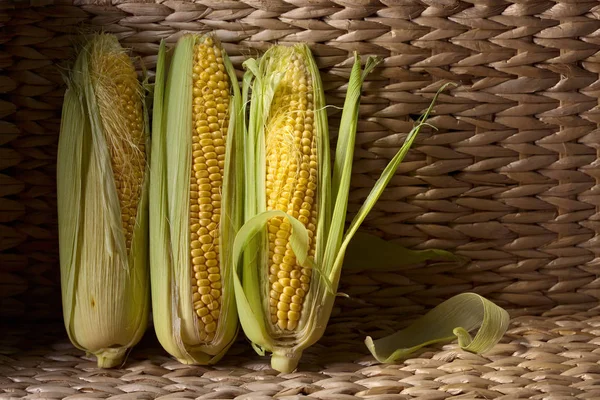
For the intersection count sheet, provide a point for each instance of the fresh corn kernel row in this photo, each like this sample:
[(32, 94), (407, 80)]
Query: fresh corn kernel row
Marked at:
[(115, 79), (210, 123), (291, 187)]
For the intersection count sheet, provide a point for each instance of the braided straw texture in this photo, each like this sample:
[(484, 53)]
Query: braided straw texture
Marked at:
[(540, 358), (509, 180)]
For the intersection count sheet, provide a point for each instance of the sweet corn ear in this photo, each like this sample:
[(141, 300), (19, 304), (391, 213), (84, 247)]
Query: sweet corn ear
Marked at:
[(287, 204), (291, 187), (196, 199), (295, 205), (102, 203)]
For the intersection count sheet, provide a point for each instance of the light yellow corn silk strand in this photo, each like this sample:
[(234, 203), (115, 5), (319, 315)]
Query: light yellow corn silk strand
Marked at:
[(119, 97)]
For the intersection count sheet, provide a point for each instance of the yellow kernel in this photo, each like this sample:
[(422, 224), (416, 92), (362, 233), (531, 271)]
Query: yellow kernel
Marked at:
[(277, 287), (202, 311), (204, 290), (282, 315), (202, 283), (293, 315), (284, 282), (212, 263), (205, 239), (285, 298), (291, 325)]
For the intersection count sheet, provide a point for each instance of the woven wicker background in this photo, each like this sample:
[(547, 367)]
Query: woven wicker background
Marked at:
[(510, 180)]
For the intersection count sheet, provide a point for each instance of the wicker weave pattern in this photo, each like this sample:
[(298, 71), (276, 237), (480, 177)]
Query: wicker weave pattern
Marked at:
[(509, 180), (539, 359)]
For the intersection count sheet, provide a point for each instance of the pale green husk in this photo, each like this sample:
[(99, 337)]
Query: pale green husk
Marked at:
[(369, 252), (105, 293), (175, 321), (452, 319), (331, 241)]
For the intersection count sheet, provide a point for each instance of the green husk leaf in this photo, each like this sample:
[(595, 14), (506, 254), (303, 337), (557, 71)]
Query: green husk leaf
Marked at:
[(379, 187), (342, 169), (159, 234), (452, 319), (71, 152), (249, 304), (369, 252)]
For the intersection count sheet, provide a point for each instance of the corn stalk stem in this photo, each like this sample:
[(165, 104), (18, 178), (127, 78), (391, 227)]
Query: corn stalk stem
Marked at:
[(110, 358), (285, 360)]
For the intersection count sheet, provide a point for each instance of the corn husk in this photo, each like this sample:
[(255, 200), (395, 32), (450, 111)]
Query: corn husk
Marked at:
[(105, 288), (175, 321)]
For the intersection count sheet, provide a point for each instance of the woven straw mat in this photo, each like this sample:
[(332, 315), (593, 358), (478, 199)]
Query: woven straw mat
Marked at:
[(509, 180)]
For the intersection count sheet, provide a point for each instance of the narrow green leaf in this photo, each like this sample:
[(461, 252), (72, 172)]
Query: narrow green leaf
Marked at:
[(344, 153), (326, 202), (342, 169), (257, 224), (451, 319), (379, 187), (178, 142), (254, 328), (370, 252), (251, 204)]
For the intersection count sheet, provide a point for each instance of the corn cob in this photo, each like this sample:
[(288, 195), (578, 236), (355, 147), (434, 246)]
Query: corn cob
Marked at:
[(102, 203), (196, 204), (292, 243), (295, 204), (291, 187), (288, 190)]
